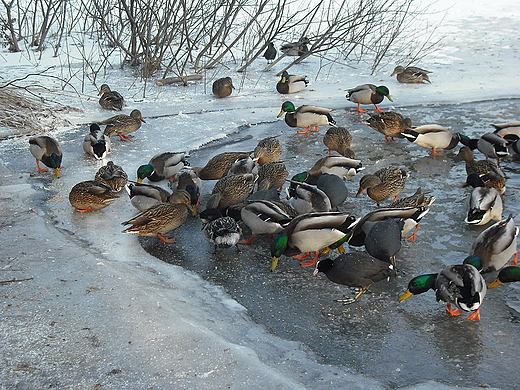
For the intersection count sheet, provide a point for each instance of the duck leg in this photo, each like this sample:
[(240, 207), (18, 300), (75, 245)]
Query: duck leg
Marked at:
[(166, 238), (515, 261), (413, 236), (246, 242), (304, 131), (89, 208), (378, 109), (311, 262), (40, 169), (475, 316), (360, 109), (125, 137), (317, 128), (453, 312)]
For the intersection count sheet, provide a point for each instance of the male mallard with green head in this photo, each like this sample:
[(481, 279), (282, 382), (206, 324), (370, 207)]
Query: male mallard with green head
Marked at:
[(458, 285), (368, 94), (48, 151), (291, 83), (306, 117)]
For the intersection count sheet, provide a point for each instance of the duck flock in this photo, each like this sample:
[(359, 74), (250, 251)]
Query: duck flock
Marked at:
[(254, 190)]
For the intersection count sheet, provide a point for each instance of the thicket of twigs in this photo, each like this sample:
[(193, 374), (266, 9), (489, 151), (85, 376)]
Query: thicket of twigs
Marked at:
[(180, 37)]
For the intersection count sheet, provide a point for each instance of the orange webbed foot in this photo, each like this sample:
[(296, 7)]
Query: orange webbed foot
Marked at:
[(453, 312), (413, 236), (125, 137), (89, 208), (475, 316), (165, 238), (378, 109), (247, 242), (311, 262), (304, 131)]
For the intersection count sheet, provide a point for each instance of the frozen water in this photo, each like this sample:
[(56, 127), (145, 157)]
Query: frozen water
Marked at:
[(99, 310)]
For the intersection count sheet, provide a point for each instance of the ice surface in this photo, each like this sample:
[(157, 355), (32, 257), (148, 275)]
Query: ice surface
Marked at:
[(97, 311)]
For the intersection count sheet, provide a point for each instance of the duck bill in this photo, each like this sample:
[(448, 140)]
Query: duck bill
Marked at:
[(139, 180), (142, 119), (280, 114), (389, 98), (495, 283), (274, 263), (359, 192), (405, 296), (57, 172)]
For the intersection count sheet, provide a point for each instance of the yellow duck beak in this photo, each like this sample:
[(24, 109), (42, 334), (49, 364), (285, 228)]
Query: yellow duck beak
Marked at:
[(280, 114), (405, 296), (495, 283), (389, 98), (274, 263), (57, 172)]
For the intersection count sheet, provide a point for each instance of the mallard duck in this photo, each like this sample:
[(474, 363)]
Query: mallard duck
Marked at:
[(482, 171), (383, 184), (355, 269), (411, 74), (340, 140), (218, 166), (162, 166), (272, 174), (496, 245), (493, 145), (306, 198), (411, 216), (145, 196), (311, 233), (243, 165), (306, 117), (48, 151), (270, 52), (509, 274), (91, 195), (291, 84), (110, 100), (459, 285), (162, 218), (187, 179), (223, 87), (383, 240), (122, 124), (334, 187), (418, 199), (265, 217), (432, 137), (513, 143), (343, 167), (112, 175), (368, 94), (296, 48), (96, 143), (267, 150), (391, 124), (484, 205), (507, 128), (223, 232), (231, 190)]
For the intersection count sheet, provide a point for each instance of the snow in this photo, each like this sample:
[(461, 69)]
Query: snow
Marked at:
[(100, 311)]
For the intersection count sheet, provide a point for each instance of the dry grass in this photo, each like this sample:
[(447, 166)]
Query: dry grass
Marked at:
[(25, 112)]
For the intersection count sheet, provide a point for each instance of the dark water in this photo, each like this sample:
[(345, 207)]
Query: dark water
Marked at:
[(399, 344)]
